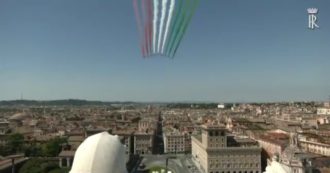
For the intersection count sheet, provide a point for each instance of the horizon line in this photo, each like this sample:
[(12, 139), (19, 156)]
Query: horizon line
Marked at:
[(179, 101)]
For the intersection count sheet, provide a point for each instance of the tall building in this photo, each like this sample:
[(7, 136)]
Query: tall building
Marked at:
[(176, 141), (143, 142), (216, 152)]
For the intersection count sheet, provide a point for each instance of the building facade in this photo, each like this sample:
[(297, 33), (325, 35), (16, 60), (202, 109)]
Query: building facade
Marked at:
[(176, 142), (143, 143), (323, 111), (212, 153), (4, 127), (315, 147)]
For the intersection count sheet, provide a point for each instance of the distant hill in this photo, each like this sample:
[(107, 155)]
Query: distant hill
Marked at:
[(69, 102)]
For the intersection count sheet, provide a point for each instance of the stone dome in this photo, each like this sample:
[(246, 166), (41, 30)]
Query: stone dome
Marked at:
[(100, 153), (18, 116), (276, 167)]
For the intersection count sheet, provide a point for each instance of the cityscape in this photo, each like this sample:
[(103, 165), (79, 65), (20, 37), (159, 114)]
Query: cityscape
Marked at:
[(164, 86), (177, 137)]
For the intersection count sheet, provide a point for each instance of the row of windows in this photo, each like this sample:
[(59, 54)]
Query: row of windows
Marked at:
[(216, 145), (174, 146), (175, 138), (142, 146), (228, 165), (315, 146), (141, 142), (174, 141), (216, 133), (234, 172), (245, 156), (318, 151), (217, 139), (173, 150), (238, 160)]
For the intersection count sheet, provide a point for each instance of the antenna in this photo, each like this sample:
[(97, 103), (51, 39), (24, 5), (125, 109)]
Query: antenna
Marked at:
[(21, 96)]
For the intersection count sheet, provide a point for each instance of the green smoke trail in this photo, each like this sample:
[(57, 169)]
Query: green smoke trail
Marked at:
[(179, 29), (176, 24), (184, 28)]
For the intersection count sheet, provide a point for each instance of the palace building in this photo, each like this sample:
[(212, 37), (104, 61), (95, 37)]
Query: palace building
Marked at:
[(214, 151)]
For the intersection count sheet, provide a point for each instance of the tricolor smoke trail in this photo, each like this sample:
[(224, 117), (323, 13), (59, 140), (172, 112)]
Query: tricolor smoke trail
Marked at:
[(162, 24)]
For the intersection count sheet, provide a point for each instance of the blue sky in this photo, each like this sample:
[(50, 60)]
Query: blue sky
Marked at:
[(234, 50)]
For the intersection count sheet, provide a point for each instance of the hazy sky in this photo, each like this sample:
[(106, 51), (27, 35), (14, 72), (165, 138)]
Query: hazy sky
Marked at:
[(233, 50)]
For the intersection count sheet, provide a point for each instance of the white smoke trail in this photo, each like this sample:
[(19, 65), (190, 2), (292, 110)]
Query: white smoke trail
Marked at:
[(161, 26), (156, 2), (168, 23)]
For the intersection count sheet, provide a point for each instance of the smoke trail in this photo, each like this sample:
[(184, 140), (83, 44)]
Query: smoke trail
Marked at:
[(149, 25), (147, 8), (178, 26), (156, 3), (173, 26), (139, 23), (185, 26), (144, 30), (161, 26), (168, 23)]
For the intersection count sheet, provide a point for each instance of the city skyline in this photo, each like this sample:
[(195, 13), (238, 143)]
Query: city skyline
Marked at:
[(233, 51)]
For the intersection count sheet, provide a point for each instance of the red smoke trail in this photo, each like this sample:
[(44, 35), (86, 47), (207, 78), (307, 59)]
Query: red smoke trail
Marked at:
[(150, 30), (139, 23), (145, 20)]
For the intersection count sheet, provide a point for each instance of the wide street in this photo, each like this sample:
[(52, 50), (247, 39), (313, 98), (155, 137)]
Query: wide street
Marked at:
[(179, 163)]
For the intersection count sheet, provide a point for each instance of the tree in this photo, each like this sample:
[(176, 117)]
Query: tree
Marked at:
[(33, 150), (15, 143), (53, 147), (4, 150), (60, 170), (38, 166)]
